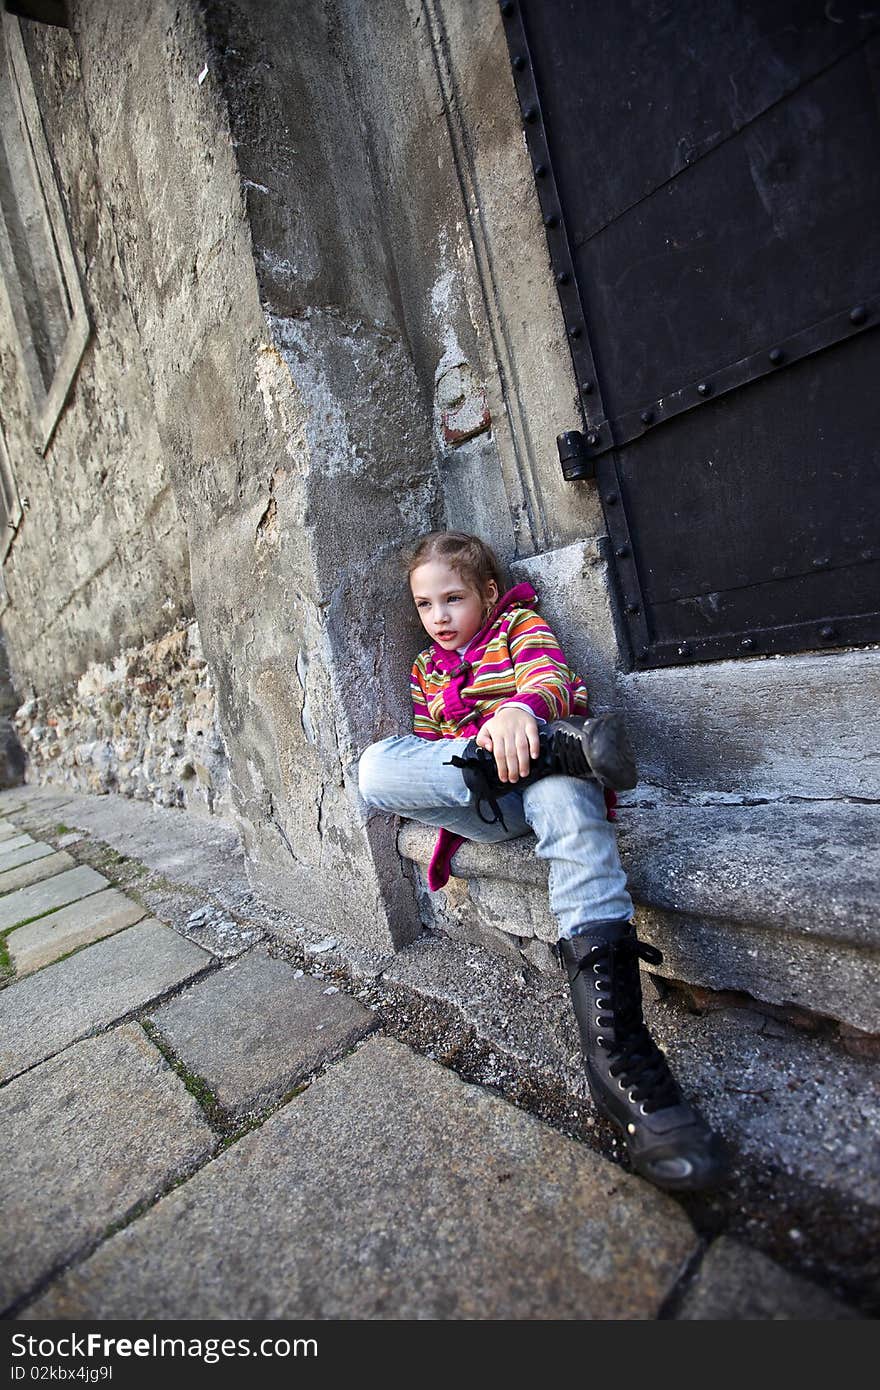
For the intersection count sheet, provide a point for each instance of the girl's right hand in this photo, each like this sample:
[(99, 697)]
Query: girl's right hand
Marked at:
[(512, 736)]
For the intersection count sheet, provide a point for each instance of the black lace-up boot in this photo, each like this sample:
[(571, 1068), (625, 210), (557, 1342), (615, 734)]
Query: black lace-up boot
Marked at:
[(587, 748), (629, 1078)]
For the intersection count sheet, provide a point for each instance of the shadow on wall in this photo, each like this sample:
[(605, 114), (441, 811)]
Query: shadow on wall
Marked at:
[(12, 755)]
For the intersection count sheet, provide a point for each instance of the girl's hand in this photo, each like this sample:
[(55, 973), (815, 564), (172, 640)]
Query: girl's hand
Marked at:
[(512, 735)]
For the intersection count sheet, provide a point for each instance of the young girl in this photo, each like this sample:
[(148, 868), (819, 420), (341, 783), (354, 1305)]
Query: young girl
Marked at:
[(501, 720)]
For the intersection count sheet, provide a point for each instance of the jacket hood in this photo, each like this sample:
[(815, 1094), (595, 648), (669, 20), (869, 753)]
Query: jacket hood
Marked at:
[(522, 595)]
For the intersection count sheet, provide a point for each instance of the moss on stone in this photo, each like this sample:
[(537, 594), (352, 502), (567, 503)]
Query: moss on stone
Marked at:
[(6, 968), (195, 1084)]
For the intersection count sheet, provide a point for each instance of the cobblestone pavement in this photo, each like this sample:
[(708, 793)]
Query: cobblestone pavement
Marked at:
[(193, 1126)]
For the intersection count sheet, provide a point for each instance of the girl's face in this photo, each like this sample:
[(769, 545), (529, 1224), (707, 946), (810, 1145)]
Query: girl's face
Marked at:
[(451, 611)]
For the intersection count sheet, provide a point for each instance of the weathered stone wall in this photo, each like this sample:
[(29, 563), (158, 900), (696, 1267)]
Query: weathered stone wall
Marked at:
[(490, 352), (99, 561), (299, 452), (145, 726)]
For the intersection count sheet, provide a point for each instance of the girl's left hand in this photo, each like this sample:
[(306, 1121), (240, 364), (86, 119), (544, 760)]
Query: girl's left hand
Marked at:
[(512, 735)]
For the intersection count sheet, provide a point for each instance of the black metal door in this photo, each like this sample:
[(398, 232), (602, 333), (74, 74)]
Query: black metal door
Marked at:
[(709, 175)]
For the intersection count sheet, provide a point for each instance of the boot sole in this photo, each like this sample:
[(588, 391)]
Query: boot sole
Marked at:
[(606, 749), (691, 1183)]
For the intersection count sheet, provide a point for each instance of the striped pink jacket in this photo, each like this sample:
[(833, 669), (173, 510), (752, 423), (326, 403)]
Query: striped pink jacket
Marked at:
[(514, 659)]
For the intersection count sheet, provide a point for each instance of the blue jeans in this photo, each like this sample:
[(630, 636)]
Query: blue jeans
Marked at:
[(409, 777)]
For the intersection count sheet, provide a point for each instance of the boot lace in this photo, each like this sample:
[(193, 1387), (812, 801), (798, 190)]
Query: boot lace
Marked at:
[(456, 761), (634, 1055)]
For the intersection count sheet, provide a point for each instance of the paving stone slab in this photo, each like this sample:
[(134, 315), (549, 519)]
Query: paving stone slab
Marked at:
[(20, 858), (54, 892), (11, 845), (391, 1189), (92, 989), (36, 871), (250, 1056), (83, 1137), (736, 1283), (50, 811), (8, 830), (78, 924)]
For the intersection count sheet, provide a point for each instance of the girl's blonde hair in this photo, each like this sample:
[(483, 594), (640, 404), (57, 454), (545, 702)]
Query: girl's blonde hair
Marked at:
[(474, 560)]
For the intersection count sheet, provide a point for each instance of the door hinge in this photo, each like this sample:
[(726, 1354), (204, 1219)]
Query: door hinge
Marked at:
[(574, 457)]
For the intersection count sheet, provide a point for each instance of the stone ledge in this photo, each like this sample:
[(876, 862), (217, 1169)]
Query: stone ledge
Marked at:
[(775, 900), (718, 861)]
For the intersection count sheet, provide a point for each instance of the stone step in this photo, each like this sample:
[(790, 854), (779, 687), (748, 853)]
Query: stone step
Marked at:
[(776, 900), (800, 1115)]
